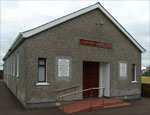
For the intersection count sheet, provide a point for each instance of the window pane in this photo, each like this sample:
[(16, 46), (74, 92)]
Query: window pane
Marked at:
[(17, 64), (41, 73), (41, 62), (133, 72)]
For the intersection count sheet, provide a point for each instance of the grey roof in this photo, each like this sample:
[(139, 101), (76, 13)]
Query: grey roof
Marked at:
[(23, 35)]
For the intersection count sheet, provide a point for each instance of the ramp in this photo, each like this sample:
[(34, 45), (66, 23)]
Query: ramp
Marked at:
[(89, 104)]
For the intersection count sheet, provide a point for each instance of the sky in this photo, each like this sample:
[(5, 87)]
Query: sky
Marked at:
[(18, 16)]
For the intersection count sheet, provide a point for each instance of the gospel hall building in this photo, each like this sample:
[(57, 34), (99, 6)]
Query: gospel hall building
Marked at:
[(85, 49)]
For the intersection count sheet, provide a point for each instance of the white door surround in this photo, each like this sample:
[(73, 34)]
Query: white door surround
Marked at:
[(104, 78)]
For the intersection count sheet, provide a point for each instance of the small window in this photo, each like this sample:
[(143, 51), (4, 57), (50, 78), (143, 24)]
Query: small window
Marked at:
[(13, 65), (5, 64), (42, 69), (133, 72), (9, 65), (17, 65)]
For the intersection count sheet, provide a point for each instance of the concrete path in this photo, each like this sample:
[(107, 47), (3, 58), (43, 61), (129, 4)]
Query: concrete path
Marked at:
[(9, 105)]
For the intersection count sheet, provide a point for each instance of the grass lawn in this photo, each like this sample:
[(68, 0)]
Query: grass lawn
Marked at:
[(145, 79)]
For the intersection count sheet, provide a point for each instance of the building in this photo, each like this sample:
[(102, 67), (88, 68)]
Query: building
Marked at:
[(148, 68), (84, 49)]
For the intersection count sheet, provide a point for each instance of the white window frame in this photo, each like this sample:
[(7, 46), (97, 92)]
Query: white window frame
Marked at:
[(17, 64), (11, 66), (7, 67), (14, 65), (42, 82), (135, 79)]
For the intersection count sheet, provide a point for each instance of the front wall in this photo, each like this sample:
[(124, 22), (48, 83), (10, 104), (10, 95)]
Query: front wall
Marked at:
[(63, 40)]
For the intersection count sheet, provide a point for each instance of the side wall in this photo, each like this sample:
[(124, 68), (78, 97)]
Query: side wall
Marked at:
[(14, 83)]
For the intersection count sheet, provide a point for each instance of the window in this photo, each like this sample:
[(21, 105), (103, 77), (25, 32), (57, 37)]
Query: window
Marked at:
[(13, 65), (9, 65), (42, 69), (123, 70), (134, 73), (17, 65)]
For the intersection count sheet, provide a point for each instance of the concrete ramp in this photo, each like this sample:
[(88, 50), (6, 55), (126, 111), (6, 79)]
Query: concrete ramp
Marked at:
[(92, 105)]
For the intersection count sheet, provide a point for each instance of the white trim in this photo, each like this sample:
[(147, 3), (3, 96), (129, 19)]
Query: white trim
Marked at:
[(7, 67), (17, 72), (14, 65), (42, 83), (11, 66), (104, 78), (134, 81), (78, 13)]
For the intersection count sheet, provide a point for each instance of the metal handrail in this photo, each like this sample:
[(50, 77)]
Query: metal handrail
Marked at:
[(62, 96), (81, 91)]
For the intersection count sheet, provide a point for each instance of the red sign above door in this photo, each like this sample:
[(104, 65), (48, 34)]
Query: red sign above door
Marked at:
[(96, 43)]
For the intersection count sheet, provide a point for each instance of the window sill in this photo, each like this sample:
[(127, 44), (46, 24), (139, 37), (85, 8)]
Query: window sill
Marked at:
[(134, 81), (42, 83)]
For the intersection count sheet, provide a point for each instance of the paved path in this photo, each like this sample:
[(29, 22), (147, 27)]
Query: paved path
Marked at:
[(9, 105)]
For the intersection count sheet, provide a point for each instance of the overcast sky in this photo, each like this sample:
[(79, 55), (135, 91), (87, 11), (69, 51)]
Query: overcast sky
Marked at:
[(19, 16)]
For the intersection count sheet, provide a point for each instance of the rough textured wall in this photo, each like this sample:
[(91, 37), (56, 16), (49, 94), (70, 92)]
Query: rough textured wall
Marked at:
[(63, 40), (17, 84)]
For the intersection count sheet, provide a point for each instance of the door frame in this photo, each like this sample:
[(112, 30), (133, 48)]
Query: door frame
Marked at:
[(104, 78)]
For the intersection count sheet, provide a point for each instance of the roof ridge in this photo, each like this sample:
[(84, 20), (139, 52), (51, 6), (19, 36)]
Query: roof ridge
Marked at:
[(60, 17)]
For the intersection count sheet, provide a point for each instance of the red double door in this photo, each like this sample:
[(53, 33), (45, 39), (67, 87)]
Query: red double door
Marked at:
[(90, 78)]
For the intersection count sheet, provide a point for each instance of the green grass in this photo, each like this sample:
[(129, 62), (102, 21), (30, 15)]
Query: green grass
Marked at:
[(145, 79)]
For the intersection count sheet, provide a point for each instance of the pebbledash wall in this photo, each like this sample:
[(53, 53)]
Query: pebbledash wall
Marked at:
[(63, 42)]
